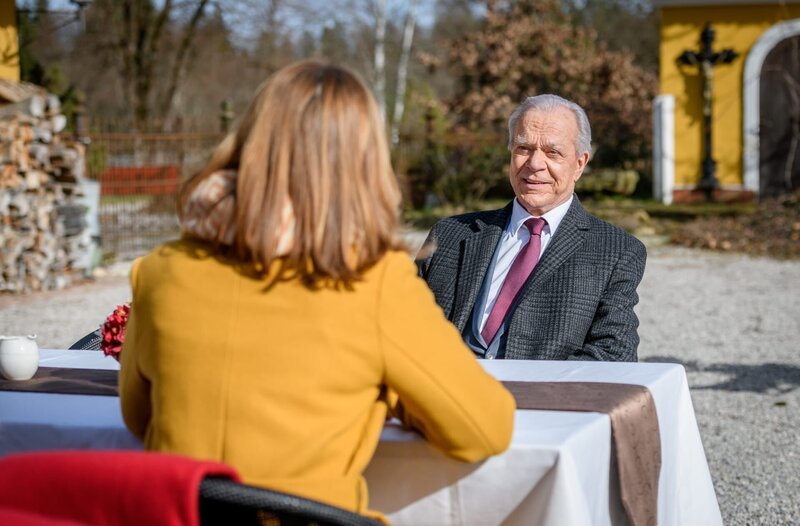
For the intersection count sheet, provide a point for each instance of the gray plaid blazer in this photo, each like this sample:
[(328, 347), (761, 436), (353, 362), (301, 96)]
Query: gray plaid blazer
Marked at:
[(577, 303)]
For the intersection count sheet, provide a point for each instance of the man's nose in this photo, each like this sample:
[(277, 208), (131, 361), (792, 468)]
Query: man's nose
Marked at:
[(536, 160)]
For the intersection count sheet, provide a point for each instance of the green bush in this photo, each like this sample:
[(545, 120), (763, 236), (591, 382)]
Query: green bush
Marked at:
[(459, 173)]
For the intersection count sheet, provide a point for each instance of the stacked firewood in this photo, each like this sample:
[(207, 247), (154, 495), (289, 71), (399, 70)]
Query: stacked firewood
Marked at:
[(43, 229)]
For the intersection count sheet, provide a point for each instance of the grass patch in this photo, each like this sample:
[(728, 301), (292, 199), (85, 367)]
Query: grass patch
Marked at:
[(678, 212)]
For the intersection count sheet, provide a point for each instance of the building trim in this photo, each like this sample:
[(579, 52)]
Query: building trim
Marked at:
[(663, 148), (751, 85)]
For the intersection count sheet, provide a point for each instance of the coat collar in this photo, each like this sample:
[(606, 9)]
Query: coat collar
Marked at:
[(478, 250), (480, 246)]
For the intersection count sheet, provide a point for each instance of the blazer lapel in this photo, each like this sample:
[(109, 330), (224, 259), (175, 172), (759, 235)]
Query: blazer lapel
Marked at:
[(565, 242), (476, 257)]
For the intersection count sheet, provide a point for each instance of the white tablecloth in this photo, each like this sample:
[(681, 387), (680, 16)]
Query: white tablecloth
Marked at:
[(556, 472)]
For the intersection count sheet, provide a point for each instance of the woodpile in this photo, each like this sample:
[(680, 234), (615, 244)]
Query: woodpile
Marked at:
[(43, 228)]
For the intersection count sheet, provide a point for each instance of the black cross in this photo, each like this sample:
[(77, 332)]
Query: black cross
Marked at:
[(707, 59)]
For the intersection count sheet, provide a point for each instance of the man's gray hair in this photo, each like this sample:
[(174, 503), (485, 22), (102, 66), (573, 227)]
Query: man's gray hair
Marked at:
[(549, 102)]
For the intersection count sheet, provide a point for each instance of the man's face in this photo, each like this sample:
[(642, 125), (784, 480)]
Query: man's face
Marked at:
[(544, 165)]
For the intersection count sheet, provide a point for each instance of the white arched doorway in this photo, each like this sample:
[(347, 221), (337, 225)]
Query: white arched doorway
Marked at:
[(751, 97)]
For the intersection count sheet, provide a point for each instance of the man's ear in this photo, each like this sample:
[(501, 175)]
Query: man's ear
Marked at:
[(582, 160)]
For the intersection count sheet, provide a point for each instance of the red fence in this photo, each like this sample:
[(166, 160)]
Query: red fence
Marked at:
[(139, 175), (139, 180)]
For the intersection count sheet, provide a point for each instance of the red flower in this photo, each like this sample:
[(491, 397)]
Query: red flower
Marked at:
[(114, 331)]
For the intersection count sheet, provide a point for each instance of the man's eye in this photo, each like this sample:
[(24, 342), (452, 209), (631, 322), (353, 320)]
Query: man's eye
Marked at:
[(523, 150)]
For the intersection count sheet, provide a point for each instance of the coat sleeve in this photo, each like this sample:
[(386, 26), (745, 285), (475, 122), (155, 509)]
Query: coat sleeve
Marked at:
[(443, 391), (613, 335), (134, 388)]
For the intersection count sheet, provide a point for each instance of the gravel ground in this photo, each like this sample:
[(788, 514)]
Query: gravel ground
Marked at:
[(733, 321)]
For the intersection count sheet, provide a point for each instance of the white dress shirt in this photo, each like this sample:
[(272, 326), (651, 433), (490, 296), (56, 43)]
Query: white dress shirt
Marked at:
[(513, 240)]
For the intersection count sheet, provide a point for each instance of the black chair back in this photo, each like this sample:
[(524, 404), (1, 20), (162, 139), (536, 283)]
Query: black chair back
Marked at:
[(224, 502), (90, 342)]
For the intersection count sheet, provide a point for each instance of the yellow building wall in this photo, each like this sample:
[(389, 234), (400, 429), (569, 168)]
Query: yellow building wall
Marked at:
[(737, 27), (9, 42)]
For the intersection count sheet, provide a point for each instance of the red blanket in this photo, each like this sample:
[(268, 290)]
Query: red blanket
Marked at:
[(109, 488)]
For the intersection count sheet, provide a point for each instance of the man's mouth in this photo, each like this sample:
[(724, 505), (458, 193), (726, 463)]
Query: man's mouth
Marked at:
[(533, 182)]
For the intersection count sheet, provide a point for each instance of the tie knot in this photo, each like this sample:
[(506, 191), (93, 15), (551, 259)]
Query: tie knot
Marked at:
[(535, 225)]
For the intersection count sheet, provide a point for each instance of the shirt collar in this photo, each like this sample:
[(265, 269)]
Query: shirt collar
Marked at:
[(553, 217)]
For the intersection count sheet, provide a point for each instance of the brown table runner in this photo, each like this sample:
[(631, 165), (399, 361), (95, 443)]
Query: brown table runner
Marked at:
[(66, 381), (634, 423), (634, 433)]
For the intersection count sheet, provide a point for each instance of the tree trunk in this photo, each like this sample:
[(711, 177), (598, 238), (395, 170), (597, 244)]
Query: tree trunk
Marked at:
[(126, 49), (402, 72), (140, 47), (180, 60), (139, 44), (380, 55)]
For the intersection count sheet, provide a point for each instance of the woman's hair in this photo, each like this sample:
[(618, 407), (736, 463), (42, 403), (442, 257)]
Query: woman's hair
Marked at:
[(313, 136)]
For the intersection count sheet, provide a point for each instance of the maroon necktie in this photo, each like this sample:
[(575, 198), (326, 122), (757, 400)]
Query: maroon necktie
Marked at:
[(515, 279)]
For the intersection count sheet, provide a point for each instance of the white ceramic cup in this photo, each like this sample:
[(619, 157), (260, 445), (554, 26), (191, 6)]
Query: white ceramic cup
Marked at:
[(19, 357)]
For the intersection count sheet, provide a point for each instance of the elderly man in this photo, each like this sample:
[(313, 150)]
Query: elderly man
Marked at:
[(541, 278)]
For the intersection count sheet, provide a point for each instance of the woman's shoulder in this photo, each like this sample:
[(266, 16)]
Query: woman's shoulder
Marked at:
[(394, 263), (393, 267), (184, 248), (177, 254)]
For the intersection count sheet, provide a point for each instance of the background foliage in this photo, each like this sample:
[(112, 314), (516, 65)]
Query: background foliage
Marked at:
[(458, 67)]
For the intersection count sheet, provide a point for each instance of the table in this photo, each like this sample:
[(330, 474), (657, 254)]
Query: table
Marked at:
[(558, 470)]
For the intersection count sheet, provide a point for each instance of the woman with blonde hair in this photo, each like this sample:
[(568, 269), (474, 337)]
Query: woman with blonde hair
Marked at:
[(278, 331)]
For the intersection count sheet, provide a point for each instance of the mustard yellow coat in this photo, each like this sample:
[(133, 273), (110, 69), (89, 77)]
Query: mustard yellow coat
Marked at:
[(288, 384)]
